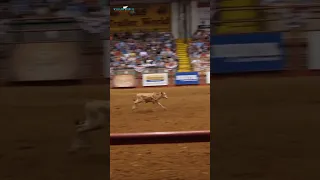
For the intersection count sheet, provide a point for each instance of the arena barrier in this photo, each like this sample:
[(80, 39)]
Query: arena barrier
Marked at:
[(292, 25), (153, 77), (38, 35), (160, 137)]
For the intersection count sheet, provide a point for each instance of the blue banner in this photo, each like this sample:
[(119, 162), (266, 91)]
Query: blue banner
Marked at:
[(247, 53), (187, 78)]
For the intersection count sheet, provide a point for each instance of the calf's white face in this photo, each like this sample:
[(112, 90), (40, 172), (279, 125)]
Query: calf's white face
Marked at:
[(164, 95)]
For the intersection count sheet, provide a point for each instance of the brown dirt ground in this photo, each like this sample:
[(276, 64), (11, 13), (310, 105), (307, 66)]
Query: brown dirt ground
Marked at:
[(266, 128), (36, 131), (263, 129), (188, 109)]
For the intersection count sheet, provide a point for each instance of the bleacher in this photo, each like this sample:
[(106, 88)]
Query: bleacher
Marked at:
[(143, 49), (199, 50)]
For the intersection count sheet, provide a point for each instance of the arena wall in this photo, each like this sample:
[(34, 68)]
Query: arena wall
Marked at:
[(130, 78)]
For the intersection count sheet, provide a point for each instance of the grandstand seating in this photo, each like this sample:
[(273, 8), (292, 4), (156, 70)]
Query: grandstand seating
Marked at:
[(142, 49), (199, 50), (159, 49)]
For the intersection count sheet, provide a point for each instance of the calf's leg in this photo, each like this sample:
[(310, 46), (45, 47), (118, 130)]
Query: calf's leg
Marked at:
[(135, 104), (161, 105)]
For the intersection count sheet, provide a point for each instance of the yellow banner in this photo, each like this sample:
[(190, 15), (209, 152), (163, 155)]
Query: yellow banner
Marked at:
[(240, 27), (153, 17)]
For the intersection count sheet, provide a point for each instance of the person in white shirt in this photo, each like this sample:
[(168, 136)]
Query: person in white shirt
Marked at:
[(143, 54)]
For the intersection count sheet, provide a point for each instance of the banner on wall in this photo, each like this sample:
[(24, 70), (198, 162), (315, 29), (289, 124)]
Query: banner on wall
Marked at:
[(247, 52), (124, 81), (238, 27), (158, 79), (313, 50), (147, 17), (187, 78), (45, 61), (208, 77)]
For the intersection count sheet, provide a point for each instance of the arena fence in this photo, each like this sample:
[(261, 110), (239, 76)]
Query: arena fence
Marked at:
[(152, 77), (79, 56), (160, 137), (297, 24)]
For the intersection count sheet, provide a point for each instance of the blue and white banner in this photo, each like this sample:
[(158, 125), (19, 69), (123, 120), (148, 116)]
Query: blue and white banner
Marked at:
[(247, 53), (187, 78), (156, 79)]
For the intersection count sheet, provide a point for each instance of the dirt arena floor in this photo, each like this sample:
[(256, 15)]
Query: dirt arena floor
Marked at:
[(36, 126), (263, 129), (266, 128), (188, 109)]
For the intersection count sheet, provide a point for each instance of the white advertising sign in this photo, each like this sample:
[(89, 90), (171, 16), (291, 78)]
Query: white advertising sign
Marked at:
[(158, 79), (208, 77)]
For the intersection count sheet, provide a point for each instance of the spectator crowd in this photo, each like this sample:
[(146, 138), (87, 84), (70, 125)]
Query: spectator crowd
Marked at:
[(128, 50), (143, 49), (199, 50)]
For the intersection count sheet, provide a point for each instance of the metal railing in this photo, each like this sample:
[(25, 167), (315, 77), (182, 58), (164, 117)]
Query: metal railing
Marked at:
[(159, 137)]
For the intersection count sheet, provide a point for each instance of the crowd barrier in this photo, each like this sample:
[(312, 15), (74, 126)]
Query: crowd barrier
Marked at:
[(251, 52), (160, 137), (282, 37), (152, 77), (264, 52)]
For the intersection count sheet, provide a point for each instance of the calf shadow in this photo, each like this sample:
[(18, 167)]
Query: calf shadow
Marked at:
[(143, 111)]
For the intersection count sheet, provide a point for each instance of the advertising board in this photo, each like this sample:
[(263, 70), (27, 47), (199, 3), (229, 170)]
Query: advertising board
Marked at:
[(187, 78), (208, 77), (158, 79), (252, 52), (45, 62), (124, 81)]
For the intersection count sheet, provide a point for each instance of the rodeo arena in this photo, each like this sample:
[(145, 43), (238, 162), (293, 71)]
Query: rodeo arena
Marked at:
[(69, 69), (64, 64), (161, 53)]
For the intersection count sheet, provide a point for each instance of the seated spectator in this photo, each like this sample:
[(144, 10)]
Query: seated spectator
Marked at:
[(199, 50), (141, 49)]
